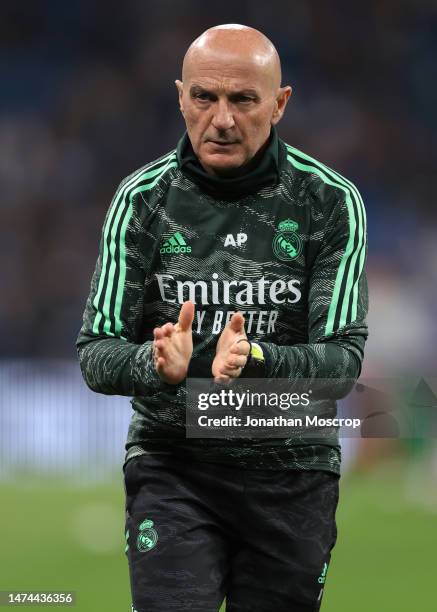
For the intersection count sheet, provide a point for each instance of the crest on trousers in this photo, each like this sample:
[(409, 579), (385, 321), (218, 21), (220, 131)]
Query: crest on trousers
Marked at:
[(287, 244), (147, 536)]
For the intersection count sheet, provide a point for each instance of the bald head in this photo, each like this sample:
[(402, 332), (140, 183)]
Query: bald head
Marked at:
[(230, 96), (233, 42)]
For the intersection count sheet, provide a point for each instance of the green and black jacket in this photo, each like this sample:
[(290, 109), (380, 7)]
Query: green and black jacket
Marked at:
[(284, 243)]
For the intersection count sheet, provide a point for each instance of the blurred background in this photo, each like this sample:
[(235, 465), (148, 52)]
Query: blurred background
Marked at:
[(88, 96)]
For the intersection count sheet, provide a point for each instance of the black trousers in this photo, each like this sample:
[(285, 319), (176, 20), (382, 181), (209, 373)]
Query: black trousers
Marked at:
[(199, 532)]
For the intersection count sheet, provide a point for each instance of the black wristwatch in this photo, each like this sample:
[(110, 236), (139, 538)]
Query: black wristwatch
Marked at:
[(256, 364)]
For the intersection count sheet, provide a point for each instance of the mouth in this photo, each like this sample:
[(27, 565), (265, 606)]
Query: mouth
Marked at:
[(222, 143)]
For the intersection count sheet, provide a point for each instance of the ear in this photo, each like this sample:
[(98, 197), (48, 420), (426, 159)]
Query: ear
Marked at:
[(282, 98), (180, 88)]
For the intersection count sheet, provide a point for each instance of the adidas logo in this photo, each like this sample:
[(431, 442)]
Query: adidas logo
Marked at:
[(175, 244)]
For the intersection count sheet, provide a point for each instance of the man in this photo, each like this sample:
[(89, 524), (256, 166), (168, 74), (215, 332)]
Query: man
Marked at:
[(231, 255)]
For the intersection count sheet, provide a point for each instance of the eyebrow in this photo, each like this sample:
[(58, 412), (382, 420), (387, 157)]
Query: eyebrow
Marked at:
[(241, 92)]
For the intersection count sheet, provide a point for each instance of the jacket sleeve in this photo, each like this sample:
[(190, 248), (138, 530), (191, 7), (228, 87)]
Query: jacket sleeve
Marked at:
[(112, 359), (337, 303)]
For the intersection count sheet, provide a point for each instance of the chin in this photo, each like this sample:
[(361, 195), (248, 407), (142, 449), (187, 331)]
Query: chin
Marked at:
[(221, 163)]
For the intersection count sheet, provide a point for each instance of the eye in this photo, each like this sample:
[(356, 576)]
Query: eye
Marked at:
[(202, 96), (242, 99)]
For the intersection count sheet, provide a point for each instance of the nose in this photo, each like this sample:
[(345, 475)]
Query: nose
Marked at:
[(222, 118)]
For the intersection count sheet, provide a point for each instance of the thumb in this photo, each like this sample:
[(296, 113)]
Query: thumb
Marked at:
[(237, 323), (186, 316)]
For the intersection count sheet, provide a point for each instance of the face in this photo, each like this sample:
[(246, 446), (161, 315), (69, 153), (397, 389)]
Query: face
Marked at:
[(229, 108)]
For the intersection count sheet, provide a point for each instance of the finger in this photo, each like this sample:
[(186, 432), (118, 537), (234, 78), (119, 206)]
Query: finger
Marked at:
[(235, 373), (222, 380), (240, 348), (160, 345), (160, 363), (158, 333), (186, 316), (167, 329), (237, 322), (228, 371), (236, 361)]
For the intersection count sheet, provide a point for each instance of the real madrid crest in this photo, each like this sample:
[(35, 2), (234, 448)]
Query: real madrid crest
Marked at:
[(287, 245), (147, 536)]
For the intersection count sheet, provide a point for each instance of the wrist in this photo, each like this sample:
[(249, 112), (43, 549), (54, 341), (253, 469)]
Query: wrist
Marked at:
[(143, 371), (255, 366)]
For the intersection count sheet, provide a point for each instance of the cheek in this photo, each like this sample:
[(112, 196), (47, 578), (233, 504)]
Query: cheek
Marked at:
[(257, 124), (258, 131), (195, 121)]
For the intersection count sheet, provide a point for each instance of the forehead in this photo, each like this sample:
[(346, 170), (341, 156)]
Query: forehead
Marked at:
[(228, 71)]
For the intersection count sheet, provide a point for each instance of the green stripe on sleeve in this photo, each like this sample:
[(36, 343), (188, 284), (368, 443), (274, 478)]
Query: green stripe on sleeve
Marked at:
[(122, 276), (115, 210), (352, 285), (349, 247), (141, 188), (122, 261), (112, 268)]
